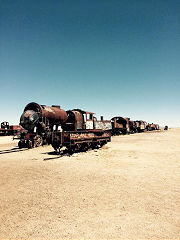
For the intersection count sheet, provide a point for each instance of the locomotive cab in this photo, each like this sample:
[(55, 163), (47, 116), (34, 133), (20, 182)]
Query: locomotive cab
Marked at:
[(78, 119)]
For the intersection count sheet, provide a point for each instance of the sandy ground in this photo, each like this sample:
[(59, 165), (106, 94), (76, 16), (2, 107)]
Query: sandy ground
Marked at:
[(128, 189), (7, 140)]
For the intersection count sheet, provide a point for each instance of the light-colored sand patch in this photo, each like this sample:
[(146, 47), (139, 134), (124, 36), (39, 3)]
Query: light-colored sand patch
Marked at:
[(7, 140)]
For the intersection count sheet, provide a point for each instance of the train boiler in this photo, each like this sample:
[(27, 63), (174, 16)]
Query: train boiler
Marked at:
[(39, 122)]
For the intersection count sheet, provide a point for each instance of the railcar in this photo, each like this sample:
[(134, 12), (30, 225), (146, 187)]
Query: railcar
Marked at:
[(154, 126), (166, 128), (122, 125), (4, 130), (74, 129), (119, 125), (81, 131), (9, 130), (141, 125)]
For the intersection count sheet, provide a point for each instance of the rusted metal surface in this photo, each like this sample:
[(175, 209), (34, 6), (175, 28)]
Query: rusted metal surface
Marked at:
[(103, 124), (81, 120), (40, 120), (119, 122), (41, 116), (16, 127), (81, 131), (75, 121), (153, 126), (118, 125), (53, 114), (141, 125), (79, 140)]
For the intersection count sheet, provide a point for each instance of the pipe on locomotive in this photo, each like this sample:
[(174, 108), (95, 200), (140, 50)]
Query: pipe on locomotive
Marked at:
[(34, 114)]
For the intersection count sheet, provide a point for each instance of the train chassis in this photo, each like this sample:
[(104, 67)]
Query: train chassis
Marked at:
[(79, 142), (80, 146)]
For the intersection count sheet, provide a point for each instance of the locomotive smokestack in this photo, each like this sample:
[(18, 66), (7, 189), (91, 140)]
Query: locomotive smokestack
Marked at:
[(101, 118)]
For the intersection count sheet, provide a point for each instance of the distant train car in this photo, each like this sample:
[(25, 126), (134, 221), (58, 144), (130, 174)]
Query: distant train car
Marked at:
[(119, 125), (166, 128), (4, 130), (8, 130), (153, 127), (122, 125), (141, 125), (133, 126)]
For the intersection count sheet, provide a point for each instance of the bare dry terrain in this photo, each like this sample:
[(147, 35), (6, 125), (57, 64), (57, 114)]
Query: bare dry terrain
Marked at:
[(128, 189)]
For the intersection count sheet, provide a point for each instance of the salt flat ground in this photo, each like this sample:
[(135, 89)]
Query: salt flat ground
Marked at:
[(128, 189)]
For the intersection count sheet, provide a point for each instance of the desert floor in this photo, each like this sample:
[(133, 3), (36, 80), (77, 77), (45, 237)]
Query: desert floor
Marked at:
[(128, 189)]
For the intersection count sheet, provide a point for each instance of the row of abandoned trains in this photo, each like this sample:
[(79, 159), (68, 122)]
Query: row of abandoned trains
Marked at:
[(74, 130), (7, 130)]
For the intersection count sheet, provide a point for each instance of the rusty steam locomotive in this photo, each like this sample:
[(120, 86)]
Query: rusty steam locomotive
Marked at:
[(74, 129)]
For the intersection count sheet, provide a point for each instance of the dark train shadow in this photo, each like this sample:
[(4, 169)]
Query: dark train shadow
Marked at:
[(50, 153), (58, 155), (16, 149), (64, 153)]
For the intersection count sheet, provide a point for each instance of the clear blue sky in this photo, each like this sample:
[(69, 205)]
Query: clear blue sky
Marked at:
[(112, 57)]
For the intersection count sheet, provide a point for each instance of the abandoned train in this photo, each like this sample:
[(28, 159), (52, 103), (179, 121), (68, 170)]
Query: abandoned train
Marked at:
[(74, 129)]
